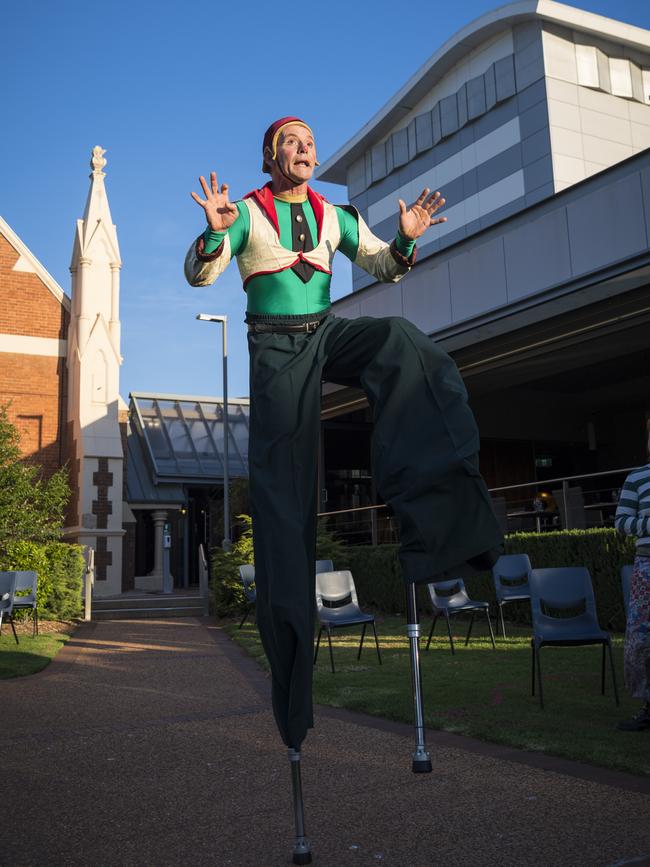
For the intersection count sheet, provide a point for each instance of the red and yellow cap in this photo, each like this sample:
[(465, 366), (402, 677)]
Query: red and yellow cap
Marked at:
[(272, 135)]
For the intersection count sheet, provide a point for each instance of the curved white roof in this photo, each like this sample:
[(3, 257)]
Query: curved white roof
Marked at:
[(454, 49)]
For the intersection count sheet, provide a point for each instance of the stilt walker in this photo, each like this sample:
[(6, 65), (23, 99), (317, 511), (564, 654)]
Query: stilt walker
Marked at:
[(424, 444)]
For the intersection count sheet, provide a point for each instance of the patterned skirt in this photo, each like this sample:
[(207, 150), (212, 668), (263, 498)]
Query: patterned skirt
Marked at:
[(637, 635)]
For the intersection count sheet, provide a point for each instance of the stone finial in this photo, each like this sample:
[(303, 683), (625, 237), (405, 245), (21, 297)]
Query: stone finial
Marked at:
[(97, 161)]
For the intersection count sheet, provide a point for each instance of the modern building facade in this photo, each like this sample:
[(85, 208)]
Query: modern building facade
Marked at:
[(534, 122)]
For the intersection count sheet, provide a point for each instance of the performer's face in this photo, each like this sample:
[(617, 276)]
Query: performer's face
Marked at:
[(296, 153)]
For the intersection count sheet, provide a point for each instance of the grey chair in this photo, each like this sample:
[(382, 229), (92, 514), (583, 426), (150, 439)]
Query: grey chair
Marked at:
[(28, 581), (337, 606), (247, 575), (626, 580), (7, 591), (324, 566), (564, 615), (450, 597), (510, 575)]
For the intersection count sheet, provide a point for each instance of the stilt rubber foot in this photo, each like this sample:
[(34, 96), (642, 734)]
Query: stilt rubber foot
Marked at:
[(421, 766), (302, 858)]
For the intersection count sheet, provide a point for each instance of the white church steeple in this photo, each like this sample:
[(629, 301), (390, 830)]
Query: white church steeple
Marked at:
[(93, 383)]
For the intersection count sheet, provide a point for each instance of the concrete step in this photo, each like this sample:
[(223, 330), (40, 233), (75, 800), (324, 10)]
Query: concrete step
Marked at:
[(152, 612), (133, 605)]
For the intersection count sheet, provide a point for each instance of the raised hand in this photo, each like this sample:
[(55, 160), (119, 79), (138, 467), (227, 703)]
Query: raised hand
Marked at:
[(414, 221), (220, 212)]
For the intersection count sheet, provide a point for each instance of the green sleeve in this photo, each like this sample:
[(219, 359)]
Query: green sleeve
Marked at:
[(238, 233), (404, 246), (349, 244)]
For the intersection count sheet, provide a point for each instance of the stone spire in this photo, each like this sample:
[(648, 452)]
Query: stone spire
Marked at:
[(93, 383), (96, 254)]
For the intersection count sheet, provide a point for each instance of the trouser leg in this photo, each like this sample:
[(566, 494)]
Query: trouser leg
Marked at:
[(425, 441), (283, 443)]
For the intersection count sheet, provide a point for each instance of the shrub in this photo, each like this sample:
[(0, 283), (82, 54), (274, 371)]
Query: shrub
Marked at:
[(225, 583), (31, 507), (60, 569)]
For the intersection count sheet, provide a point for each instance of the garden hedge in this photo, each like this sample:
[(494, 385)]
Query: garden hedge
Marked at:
[(60, 569), (603, 551), (378, 577)]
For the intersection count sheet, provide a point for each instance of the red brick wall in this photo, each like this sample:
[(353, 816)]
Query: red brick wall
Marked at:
[(34, 385)]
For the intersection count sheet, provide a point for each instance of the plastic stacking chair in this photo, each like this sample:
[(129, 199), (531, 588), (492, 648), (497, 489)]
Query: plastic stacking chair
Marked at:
[(7, 590), (626, 580), (564, 614), (510, 575), (324, 566), (247, 575), (28, 581), (450, 597), (338, 606)]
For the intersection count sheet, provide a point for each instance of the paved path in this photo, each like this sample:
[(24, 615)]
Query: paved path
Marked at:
[(151, 743)]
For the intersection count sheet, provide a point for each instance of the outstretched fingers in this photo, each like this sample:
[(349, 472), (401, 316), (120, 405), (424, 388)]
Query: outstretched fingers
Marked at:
[(434, 202), (421, 198)]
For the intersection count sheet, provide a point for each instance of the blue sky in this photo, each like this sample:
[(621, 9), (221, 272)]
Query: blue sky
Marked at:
[(172, 91)]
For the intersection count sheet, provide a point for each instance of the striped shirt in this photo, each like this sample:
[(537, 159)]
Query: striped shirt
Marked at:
[(633, 511)]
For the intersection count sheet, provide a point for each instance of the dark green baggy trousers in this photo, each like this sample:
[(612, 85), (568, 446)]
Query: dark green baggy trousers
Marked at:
[(424, 463)]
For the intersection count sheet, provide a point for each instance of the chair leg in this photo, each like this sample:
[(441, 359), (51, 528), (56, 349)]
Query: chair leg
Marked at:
[(433, 626), (539, 678), (301, 848), (451, 638), (469, 631), (503, 625), (532, 655), (363, 635), (36, 619), (329, 639), (376, 642), (13, 628), (602, 672), (611, 662), (320, 632), (421, 758), (487, 614), (243, 620)]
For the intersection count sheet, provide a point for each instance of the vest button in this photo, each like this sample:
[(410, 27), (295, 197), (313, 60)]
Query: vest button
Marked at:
[(301, 237), (299, 218)]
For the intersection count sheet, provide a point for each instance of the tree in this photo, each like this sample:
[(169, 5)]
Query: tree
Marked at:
[(31, 508)]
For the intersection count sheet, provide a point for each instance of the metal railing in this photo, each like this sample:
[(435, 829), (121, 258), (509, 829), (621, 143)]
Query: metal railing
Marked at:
[(565, 502)]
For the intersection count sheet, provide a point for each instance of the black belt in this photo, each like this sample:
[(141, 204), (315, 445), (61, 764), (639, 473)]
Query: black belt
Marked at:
[(283, 328)]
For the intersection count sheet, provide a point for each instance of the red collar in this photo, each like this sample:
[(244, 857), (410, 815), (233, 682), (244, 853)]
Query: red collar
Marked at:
[(264, 198)]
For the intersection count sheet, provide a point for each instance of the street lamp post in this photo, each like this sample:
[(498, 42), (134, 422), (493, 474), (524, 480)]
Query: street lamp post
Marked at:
[(210, 317)]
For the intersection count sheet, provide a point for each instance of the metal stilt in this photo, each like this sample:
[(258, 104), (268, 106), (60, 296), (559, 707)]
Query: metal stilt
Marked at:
[(301, 849), (421, 758)]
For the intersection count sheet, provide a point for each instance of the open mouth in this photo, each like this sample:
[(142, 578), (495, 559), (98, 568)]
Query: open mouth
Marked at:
[(303, 163)]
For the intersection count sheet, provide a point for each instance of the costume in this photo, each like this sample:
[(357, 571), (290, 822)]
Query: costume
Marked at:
[(633, 519), (424, 444)]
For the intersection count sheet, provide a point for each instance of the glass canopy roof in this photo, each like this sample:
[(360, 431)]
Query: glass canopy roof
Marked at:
[(184, 436)]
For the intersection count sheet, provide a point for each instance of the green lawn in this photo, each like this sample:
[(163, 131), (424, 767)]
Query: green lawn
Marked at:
[(31, 655), (482, 692)]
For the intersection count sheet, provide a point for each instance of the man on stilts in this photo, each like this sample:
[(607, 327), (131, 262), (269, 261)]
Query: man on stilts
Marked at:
[(425, 442)]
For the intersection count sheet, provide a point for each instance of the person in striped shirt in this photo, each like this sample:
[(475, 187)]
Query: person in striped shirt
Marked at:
[(633, 519)]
